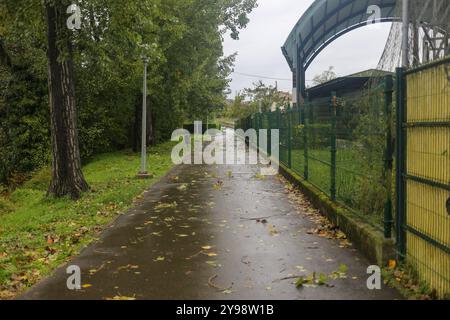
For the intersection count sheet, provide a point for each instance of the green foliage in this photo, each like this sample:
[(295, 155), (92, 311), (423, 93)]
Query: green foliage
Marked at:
[(187, 73), (252, 100), (266, 96), (241, 109)]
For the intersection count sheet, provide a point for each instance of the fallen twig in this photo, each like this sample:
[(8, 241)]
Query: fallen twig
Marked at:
[(262, 218), (286, 278), (213, 285), (195, 255)]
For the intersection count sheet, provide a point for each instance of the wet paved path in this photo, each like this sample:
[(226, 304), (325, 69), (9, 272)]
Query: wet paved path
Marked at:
[(192, 237)]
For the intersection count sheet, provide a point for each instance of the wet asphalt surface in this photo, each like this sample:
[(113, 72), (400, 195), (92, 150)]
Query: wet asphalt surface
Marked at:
[(195, 235)]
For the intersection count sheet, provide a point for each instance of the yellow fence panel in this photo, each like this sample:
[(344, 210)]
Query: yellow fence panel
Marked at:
[(428, 175)]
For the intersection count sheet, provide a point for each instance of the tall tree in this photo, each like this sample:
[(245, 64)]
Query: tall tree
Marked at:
[(67, 177), (326, 76)]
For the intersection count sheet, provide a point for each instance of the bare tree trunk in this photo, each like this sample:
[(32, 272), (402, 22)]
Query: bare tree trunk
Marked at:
[(67, 177)]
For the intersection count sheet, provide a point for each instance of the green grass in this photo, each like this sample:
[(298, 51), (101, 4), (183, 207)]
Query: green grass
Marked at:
[(37, 233), (355, 186)]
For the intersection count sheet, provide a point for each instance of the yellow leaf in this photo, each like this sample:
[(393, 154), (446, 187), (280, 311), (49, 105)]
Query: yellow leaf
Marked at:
[(122, 298), (85, 286), (212, 254), (392, 264)]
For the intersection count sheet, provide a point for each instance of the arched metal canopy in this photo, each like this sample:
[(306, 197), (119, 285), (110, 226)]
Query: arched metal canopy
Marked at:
[(327, 20)]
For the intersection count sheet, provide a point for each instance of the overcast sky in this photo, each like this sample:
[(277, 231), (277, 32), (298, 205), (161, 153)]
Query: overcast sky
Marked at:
[(259, 46)]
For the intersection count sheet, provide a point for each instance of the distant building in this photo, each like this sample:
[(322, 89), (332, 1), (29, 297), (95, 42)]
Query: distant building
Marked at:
[(347, 85)]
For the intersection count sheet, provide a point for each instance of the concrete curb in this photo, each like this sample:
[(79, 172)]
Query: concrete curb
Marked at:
[(367, 239)]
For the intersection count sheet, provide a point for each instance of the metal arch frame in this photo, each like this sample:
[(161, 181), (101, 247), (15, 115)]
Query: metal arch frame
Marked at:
[(340, 34), (294, 49), (302, 59), (353, 15)]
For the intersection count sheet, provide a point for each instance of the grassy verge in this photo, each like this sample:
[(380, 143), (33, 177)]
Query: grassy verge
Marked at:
[(356, 187), (226, 122), (37, 234)]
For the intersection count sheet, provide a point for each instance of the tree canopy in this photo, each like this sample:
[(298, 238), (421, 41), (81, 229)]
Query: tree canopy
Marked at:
[(187, 71)]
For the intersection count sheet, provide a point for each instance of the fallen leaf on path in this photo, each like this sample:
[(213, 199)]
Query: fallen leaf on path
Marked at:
[(272, 230), (301, 268), (159, 259), (218, 185), (166, 205), (211, 254), (128, 267), (122, 298), (213, 264)]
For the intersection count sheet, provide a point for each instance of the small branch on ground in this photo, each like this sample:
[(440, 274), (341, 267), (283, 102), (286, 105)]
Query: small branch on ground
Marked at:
[(213, 285), (286, 278), (261, 218)]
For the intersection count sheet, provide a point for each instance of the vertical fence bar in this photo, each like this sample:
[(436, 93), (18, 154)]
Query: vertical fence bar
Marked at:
[(261, 126), (269, 133), (278, 118), (401, 163), (278, 126), (305, 138), (258, 125), (289, 120), (388, 158), (333, 110)]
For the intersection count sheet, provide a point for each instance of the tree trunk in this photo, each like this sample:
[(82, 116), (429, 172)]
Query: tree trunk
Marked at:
[(67, 177)]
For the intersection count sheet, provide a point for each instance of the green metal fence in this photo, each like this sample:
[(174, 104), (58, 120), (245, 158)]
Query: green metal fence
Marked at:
[(341, 145), (423, 168)]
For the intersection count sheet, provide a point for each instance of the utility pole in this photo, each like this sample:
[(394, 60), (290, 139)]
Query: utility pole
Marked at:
[(405, 35), (143, 173)]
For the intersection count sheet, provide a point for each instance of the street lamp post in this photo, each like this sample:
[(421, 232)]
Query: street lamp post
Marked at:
[(143, 173)]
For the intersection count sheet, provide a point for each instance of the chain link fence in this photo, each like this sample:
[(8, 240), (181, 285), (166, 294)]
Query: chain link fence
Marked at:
[(343, 146)]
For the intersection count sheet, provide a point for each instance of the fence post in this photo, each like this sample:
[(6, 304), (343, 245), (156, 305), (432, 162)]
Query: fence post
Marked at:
[(278, 118), (388, 158), (333, 109), (257, 130), (401, 163), (269, 133), (289, 120), (305, 138)]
